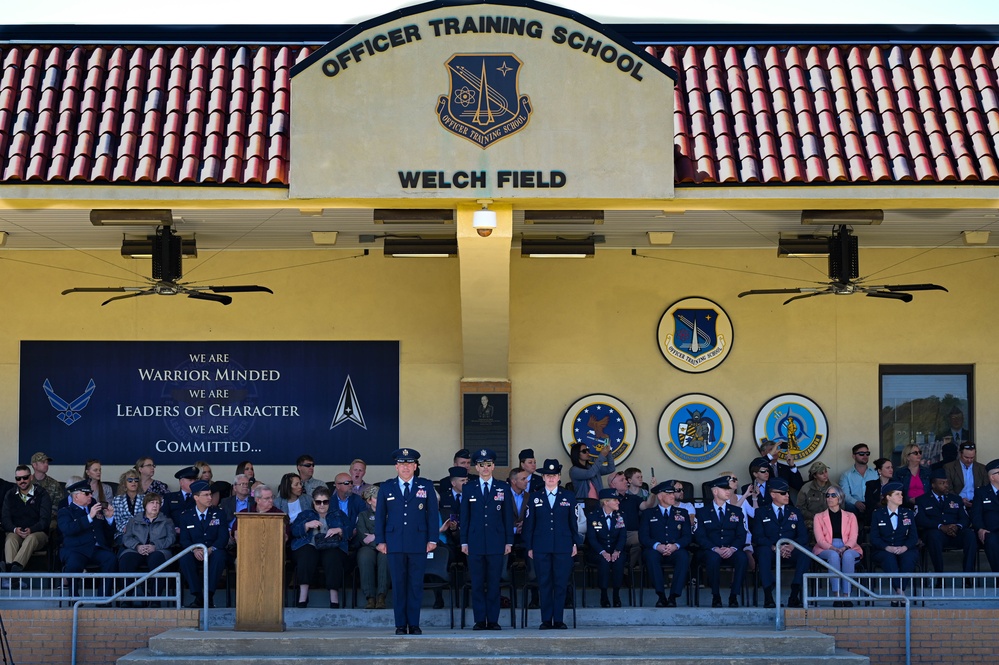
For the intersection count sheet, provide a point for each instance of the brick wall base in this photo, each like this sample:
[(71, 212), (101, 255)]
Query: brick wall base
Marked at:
[(938, 635), (44, 637)]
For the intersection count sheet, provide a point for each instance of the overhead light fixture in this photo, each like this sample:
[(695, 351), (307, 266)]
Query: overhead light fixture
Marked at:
[(563, 216), (484, 221), (3, 238), (141, 247), (310, 212), (421, 247), (131, 217), (803, 247), (851, 217), (324, 237), (413, 215), (970, 237), (557, 249), (660, 237)]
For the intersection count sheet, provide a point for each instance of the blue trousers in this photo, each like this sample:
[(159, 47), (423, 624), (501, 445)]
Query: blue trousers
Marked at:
[(680, 560), (767, 559), (485, 571), (406, 571), (713, 564), (553, 571)]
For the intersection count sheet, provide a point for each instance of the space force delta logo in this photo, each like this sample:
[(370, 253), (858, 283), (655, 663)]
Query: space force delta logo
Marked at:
[(484, 104)]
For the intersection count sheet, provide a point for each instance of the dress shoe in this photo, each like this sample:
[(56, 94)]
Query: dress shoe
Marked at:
[(546, 625), (380, 601), (847, 603), (334, 605), (415, 630), (733, 601), (196, 604), (370, 605), (794, 601), (716, 601), (439, 603), (837, 603), (479, 625), (604, 602), (671, 601), (302, 603), (617, 598), (492, 625), (768, 599), (211, 603), (662, 601), (560, 625), (896, 603), (533, 605), (401, 631)]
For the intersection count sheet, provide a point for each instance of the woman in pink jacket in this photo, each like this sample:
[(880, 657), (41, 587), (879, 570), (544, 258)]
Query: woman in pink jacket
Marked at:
[(836, 541)]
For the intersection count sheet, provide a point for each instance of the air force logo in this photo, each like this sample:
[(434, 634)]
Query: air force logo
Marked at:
[(483, 105), (69, 412), (695, 335), (348, 409)]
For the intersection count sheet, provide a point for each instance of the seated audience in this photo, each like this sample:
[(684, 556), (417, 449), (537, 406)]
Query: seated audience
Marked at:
[(606, 535), (943, 522), (92, 474), (204, 524), (25, 516), (894, 536), (290, 498), (664, 534), (780, 520), (985, 514), (836, 532), (913, 475), (147, 467), (148, 539), (87, 532), (721, 535), (128, 502), (812, 497), (357, 470), (872, 491), (372, 564), (319, 534)]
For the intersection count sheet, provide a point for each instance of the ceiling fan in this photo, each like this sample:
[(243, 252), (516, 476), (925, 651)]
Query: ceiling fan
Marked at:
[(167, 261), (844, 268)]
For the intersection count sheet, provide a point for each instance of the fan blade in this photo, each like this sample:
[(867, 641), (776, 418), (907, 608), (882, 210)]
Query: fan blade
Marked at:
[(904, 297), (198, 295), (808, 295), (246, 288), (765, 292), (910, 287), (130, 295), (101, 289)]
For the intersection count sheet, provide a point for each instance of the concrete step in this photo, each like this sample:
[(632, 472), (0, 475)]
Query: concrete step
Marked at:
[(601, 643)]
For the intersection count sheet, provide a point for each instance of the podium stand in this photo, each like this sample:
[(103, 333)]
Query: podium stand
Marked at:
[(260, 572)]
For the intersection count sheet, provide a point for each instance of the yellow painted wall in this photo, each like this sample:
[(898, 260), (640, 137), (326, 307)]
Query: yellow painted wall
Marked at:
[(576, 327)]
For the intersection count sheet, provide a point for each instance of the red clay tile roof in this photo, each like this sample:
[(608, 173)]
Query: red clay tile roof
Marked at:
[(744, 115)]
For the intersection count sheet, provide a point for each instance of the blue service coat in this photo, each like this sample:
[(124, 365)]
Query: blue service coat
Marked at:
[(930, 514), (79, 534), (213, 532), (551, 530), (883, 535), (656, 527), (730, 532), (767, 530), (406, 526), (486, 522), (603, 539), (174, 503)]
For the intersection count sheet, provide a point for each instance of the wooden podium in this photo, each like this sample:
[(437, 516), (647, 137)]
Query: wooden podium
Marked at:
[(260, 572)]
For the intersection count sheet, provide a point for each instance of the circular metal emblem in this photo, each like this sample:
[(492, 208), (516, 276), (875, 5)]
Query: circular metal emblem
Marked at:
[(695, 335), (600, 420), (796, 423), (696, 431)]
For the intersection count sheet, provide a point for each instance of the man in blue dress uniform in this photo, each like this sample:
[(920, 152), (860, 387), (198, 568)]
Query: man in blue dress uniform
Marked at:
[(406, 520), (985, 514), (770, 524), (174, 503), (486, 520), (943, 521), (665, 534), (87, 532), (722, 537), (205, 524), (550, 537), (606, 535)]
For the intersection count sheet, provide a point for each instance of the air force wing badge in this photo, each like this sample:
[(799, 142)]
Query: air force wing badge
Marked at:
[(483, 105), (348, 409), (69, 412)]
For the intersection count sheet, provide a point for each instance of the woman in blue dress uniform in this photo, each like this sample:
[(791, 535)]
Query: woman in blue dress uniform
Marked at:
[(894, 536)]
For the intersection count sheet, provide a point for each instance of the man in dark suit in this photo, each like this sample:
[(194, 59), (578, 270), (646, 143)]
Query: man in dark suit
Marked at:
[(551, 538), (25, 515), (406, 521), (787, 472), (87, 532), (770, 524), (944, 522), (529, 463), (238, 501), (665, 534), (722, 536), (204, 524), (966, 473), (486, 538), (606, 535), (461, 458), (985, 514), (174, 503)]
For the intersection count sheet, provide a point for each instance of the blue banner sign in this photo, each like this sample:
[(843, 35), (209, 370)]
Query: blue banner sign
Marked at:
[(223, 402)]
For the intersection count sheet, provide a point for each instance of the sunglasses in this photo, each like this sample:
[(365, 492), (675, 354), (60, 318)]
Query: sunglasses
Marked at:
[(148, 465), (307, 465), (864, 454), (321, 502), (21, 477), (832, 496), (678, 490), (484, 464), (967, 446), (732, 480), (344, 482), (131, 480), (916, 452)]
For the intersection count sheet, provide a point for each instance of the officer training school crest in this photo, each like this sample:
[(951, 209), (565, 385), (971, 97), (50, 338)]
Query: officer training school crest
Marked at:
[(695, 431), (796, 423), (483, 104), (695, 335), (600, 420)]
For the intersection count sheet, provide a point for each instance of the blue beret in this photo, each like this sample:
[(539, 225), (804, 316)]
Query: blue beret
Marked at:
[(608, 493), (776, 484), (484, 455), (888, 488), (188, 472), (200, 486), (405, 455), (551, 467), (81, 486), (457, 472)]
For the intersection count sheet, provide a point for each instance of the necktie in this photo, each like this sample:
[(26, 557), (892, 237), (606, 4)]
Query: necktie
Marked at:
[(25, 498), (721, 514), (551, 499), (405, 491), (457, 497), (940, 499), (202, 518), (485, 489), (609, 522), (780, 514), (894, 520)]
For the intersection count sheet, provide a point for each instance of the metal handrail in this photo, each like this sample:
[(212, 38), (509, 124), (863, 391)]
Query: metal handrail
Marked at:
[(141, 580), (843, 576)]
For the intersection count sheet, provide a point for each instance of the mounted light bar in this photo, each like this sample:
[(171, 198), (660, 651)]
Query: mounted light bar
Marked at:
[(131, 217), (423, 248), (803, 247), (413, 216), (849, 217), (141, 247), (557, 249), (563, 216)]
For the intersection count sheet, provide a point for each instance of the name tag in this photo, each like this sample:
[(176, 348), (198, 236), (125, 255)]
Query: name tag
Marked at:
[(471, 499), (390, 498), (189, 526), (766, 519)]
